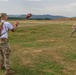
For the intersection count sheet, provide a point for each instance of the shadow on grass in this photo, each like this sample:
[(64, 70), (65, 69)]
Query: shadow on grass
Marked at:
[(23, 70), (73, 36), (39, 69), (28, 71)]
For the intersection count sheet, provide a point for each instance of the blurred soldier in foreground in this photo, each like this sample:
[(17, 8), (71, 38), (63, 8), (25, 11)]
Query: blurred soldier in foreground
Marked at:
[(74, 30), (4, 46)]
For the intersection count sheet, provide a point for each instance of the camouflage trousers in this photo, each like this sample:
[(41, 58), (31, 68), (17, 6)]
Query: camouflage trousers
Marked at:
[(73, 31), (4, 53)]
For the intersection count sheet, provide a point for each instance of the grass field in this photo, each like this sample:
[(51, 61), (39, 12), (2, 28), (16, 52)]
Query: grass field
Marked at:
[(43, 48)]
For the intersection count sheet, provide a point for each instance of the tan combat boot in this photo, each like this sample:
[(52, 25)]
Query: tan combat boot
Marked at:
[(8, 72)]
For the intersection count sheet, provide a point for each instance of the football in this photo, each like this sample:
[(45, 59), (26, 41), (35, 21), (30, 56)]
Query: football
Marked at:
[(28, 15)]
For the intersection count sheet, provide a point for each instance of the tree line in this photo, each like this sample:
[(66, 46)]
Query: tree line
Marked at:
[(16, 18)]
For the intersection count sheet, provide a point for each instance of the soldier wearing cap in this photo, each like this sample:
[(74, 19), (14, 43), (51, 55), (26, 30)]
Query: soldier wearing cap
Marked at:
[(4, 46)]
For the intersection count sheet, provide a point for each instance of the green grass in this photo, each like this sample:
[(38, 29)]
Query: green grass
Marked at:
[(43, 48)]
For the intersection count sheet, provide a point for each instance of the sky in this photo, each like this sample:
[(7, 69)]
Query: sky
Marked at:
[(39, 7)]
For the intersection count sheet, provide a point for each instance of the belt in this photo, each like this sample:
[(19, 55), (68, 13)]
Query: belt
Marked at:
[(3, 40)]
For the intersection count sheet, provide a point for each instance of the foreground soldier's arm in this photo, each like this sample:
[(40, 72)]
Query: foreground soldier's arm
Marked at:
[(15, 26)]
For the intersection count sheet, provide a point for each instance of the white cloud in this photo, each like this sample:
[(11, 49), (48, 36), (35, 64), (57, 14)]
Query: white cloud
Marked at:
[(3, 0), (34, 0), (72, 5), (52, 7), (65, 10)]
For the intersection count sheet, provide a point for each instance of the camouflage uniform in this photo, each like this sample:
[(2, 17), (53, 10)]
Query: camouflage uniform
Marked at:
[(4, 53), (74, 29), (4, 46)]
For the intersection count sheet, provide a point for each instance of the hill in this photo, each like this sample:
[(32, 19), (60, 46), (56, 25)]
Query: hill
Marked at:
[(37, 16)]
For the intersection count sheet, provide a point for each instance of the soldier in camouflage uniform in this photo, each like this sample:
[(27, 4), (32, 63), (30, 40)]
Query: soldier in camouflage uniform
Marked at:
[(4, 45), (74, 29)]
